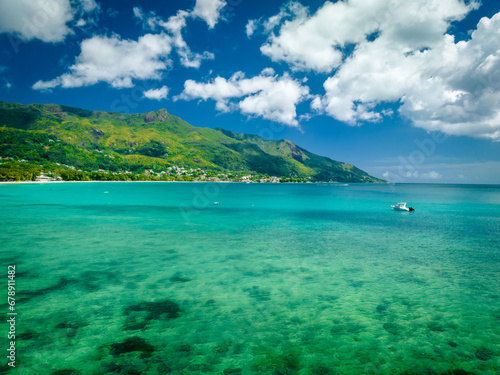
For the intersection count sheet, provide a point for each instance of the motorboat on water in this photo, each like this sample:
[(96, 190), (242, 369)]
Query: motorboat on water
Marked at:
[(402, 207)]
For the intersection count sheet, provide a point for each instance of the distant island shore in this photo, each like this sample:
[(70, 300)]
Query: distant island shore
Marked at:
[(210, 182), (81, 145)]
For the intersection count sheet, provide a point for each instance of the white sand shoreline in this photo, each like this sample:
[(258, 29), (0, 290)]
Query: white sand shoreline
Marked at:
[(72, 182)]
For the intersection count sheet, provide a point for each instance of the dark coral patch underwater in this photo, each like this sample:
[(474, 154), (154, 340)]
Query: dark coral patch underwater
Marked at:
[(63, 283), (484, 354), (132, 344), (140, 314), (66, 372), (165, 309), (179, 278)]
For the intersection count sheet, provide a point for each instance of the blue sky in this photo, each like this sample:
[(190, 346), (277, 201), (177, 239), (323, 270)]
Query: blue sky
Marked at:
[(408, 91)]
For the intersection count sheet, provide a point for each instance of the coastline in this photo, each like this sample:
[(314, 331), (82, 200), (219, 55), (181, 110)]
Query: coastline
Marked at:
[(180, 182), (47, 182), (63, 182), (72, 182)]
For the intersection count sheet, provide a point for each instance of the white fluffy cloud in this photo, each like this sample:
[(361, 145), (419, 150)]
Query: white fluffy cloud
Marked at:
[(250, 27), (174, 26), (208, 10), (401, 53), (45, 20), (316, 41), (447, 87), (189, 59), (266, 95), (119, 62), (36, 19), (89, 5), (115, 61), (157, 94)]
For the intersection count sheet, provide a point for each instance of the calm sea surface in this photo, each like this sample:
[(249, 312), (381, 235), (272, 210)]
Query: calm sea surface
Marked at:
[(153, 278)]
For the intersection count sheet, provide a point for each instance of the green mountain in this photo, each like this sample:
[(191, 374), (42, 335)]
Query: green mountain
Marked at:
[(60, 139)]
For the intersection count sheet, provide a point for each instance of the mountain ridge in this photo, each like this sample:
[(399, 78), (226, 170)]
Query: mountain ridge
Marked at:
[(53, 135)]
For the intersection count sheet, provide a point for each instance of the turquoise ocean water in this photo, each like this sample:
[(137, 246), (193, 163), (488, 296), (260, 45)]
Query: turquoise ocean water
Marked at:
[(153, 278)]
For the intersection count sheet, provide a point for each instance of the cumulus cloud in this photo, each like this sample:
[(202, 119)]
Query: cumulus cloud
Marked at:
[(115, 61), (316, 41), (189, 59), (382, 51), (45, 20), (81, 23), (174, 26), (157, 94), (266, 95), (448, 87), (89, 5), (138, 13), (119, 62), (36, 19), (208, 10), (250, 27)]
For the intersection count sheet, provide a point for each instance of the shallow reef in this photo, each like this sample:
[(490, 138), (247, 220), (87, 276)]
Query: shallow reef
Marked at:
[(61, 284), (179, 278), (261, 291), (484, 354), (95, 280), (164, 309), (429, 371), (232, 371), (392, 328), (67, 372), (140, 314), (132, 344), (259, 294)]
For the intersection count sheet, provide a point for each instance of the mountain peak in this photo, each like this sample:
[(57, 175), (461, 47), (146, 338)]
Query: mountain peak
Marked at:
[(116, 142)]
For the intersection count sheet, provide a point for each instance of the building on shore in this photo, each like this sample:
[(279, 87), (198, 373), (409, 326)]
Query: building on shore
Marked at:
[(44, 178)]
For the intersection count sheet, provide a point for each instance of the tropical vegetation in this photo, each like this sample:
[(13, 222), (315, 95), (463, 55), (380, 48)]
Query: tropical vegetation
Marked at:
[(77, 144)]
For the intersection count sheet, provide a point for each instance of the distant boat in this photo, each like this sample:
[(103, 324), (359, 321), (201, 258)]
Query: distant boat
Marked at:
[(402, 207), (216, 203)]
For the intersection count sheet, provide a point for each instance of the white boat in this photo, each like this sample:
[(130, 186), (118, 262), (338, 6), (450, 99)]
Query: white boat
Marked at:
[(402, 207), (216, 203)]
